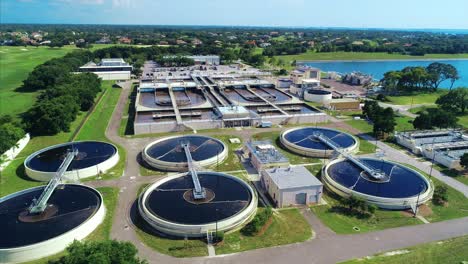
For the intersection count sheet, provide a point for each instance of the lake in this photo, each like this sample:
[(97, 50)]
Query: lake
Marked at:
[(378, 68)]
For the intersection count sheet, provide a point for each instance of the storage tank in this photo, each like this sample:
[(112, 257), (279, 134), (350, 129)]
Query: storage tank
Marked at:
[(168, 205), (94, 157), (72, 213), (318, 96)]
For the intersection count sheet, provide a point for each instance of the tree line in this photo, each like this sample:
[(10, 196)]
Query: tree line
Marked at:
[(383, 119), (412, 79)]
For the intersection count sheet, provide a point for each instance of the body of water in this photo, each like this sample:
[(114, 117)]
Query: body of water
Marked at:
[(378, 68)]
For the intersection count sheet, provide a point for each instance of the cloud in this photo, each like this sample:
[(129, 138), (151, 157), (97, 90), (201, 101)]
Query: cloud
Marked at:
[(122, 3)]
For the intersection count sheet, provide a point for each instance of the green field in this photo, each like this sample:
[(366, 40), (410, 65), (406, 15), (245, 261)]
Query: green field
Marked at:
[(446, 251), (341, 55), (288, 226), (336, 219), (402, 123), (419, 98), (15, 65)]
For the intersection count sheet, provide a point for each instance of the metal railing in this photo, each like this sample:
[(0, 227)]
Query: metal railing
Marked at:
[(198, 191), (39, 205)]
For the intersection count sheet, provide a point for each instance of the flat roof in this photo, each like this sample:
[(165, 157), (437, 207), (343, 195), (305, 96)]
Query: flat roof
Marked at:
[(292, 177), (266, 152), (113, 62)]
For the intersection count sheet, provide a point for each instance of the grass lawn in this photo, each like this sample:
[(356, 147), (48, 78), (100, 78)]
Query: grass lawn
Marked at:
[(274, 138), (341, 55), (232, 162), (110, 196), (13, 177), (457, 205), (445, 251), (402, 123), (418, 98), (342, 223), (172, 246), (96, 125), (288, 226), (15, 65), (126, 124)]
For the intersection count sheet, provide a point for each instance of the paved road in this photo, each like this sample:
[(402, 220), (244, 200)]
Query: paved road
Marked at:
[(403, 109), (326, 247)]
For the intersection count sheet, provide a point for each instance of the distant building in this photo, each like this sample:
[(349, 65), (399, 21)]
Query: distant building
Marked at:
[(304, 78), (196, 42), (104, 40), (206, 59), (357, 78), (443, 146), (180, 42), (289, 186), (125, 40), (265, 44), (109, 69), (345, 104), (264, 155)]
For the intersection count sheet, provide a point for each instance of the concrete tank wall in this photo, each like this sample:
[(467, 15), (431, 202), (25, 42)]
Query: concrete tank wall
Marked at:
[(182, 166), (75, 174), (183, 230), (318, 98), (316, 153), (382, 202), (54, 245)]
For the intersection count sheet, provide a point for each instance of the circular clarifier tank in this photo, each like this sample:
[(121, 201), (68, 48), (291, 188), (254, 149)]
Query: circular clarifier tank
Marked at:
[(168, 205), (169, 155), (399, 189), (304, 142), (94, 157), (73, 212)]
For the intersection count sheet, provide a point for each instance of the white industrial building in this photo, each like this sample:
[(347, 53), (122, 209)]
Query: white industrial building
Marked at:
[(109, 69), (289, 186), (303, 79), (443, 146), (264, 155), (206, 59)]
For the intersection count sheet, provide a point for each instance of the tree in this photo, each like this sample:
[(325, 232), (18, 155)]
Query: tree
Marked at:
[(439, 72), (10, 133), (371, 109), (435, 117), (384, 122), (50, 117), (440, 195), (464, 160), (455, 101), (107, 251)]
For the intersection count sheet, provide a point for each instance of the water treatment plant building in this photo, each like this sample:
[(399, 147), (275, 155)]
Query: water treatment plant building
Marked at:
[(213, 97)]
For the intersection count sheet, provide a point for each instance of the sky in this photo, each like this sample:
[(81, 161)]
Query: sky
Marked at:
[(413, 14)]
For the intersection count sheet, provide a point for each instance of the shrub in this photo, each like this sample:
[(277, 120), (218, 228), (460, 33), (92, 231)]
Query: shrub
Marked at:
[(219, 236), (440, 195), (108, 251), (260, 219)]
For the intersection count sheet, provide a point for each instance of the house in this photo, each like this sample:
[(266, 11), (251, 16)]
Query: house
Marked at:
[(289, 186), (109, 69), (125, 40)]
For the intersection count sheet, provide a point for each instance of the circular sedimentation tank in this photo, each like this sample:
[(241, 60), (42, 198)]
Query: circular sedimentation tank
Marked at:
[(318, 96), (399, 189), (168, 154), (168, 205), (73, 212), (94, 157), (302, 141)]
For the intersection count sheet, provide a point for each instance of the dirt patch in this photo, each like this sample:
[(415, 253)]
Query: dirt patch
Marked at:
[(423, 210), (265, 226)]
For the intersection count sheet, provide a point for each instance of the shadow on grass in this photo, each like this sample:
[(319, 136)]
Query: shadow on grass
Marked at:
[(129, 130), (139, 223), (339, 209)]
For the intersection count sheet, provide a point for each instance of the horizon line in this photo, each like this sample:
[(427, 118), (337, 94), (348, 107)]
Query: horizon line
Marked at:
[(245, 26)]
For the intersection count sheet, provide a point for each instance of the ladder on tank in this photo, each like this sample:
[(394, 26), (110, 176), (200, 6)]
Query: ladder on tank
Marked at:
[(198, 190), (39, 205), (374, 173)]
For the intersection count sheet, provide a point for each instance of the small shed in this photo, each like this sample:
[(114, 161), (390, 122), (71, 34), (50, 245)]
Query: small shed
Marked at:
[(289, 186)]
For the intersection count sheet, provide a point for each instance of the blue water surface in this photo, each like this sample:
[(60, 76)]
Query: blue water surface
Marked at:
[(378, 68)]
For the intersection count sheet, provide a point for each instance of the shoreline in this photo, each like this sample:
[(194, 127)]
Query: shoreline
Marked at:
[(381, 60)]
